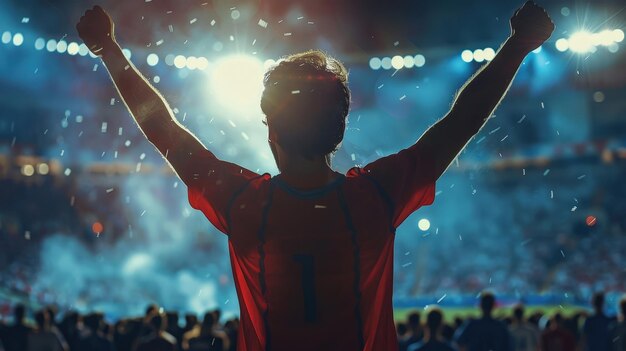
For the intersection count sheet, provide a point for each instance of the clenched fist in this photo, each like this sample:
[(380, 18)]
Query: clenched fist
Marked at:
[(95, 28), (531, 26)]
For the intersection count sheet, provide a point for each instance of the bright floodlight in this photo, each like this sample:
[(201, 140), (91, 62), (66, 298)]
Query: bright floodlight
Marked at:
[(604, 38), (180, 61), (18, 39), (127, 53), (618, 35), (409, 61), (467, 55), (237, 83), (83, 50), (489, 54), (562, 44), (72, 48), (6, 37), (375, 63), (581, 42), (192, 62), (51, 46), (479, 55), (61, 46), (385, 63), (420, 60), (538, 50), (40, 43), (152, 59), (423, 224), (202, 63), (397, 62)]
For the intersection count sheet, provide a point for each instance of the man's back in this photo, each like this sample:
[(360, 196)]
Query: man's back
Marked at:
[(317, 265), (525, 336), (484, 334), (596, 331)]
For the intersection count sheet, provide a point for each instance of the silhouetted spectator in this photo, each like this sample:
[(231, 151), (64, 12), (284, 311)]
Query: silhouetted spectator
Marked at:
[(15, 336), (595, 332), (556, 337), (173, 328), (416, 332), (92, 338), (45, 337), (524, 335), (69, 328), (206, 337), (158, 339), (231, 328), (403, 336), (432, 340), (191, 320), (485, 333), (619, 329)]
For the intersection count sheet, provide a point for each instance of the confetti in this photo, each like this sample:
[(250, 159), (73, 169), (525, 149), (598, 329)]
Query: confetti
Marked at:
[(262, 23)]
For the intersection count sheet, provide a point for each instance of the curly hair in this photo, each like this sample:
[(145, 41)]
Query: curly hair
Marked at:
[(306, 101)]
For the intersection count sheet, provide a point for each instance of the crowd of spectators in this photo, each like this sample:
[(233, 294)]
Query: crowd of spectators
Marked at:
[(160, 330)]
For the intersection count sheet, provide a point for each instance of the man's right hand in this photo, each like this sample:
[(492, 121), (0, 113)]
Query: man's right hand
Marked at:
[(95, 28)]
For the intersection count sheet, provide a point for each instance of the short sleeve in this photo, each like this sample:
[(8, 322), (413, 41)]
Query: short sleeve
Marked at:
[(215, 185), (407, 180)]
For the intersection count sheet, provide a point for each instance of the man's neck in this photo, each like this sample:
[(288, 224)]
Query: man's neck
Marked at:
[(307, 174)]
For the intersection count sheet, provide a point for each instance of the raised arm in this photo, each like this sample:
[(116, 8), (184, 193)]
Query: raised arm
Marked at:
[(145, 103), (478, 98)]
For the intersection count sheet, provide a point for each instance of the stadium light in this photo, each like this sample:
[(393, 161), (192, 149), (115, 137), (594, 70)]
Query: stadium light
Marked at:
[(28, 170), (6, 37), (423, 224), (489, 54), (40, 43), (562, 44), (385, 63), (581, 42), (61, 46), (467, 56), (51, 45), (479, 55), (72, 48), (83, 50), (152, 59), (18, 39), (237, 83), (397, 62), (409, 61), (375, 63), (618, 35), (180, 61), (538, 50), (420, 60)]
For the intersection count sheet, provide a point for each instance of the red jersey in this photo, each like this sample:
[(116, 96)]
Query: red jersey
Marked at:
[(314, 269)]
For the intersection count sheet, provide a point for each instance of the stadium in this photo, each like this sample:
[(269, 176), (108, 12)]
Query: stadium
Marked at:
[(95, 225)]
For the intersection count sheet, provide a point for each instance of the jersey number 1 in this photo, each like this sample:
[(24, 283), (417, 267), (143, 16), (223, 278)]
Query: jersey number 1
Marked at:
[(308, 286)]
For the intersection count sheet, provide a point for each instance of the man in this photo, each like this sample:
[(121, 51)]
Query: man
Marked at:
[(619, 329), (595, 333), (206, 336), (92, 338), (312, 249), (432, 340), (46, 337), (485, 333), (15, 336), (525, 336), (158, 339), (556, 337)]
